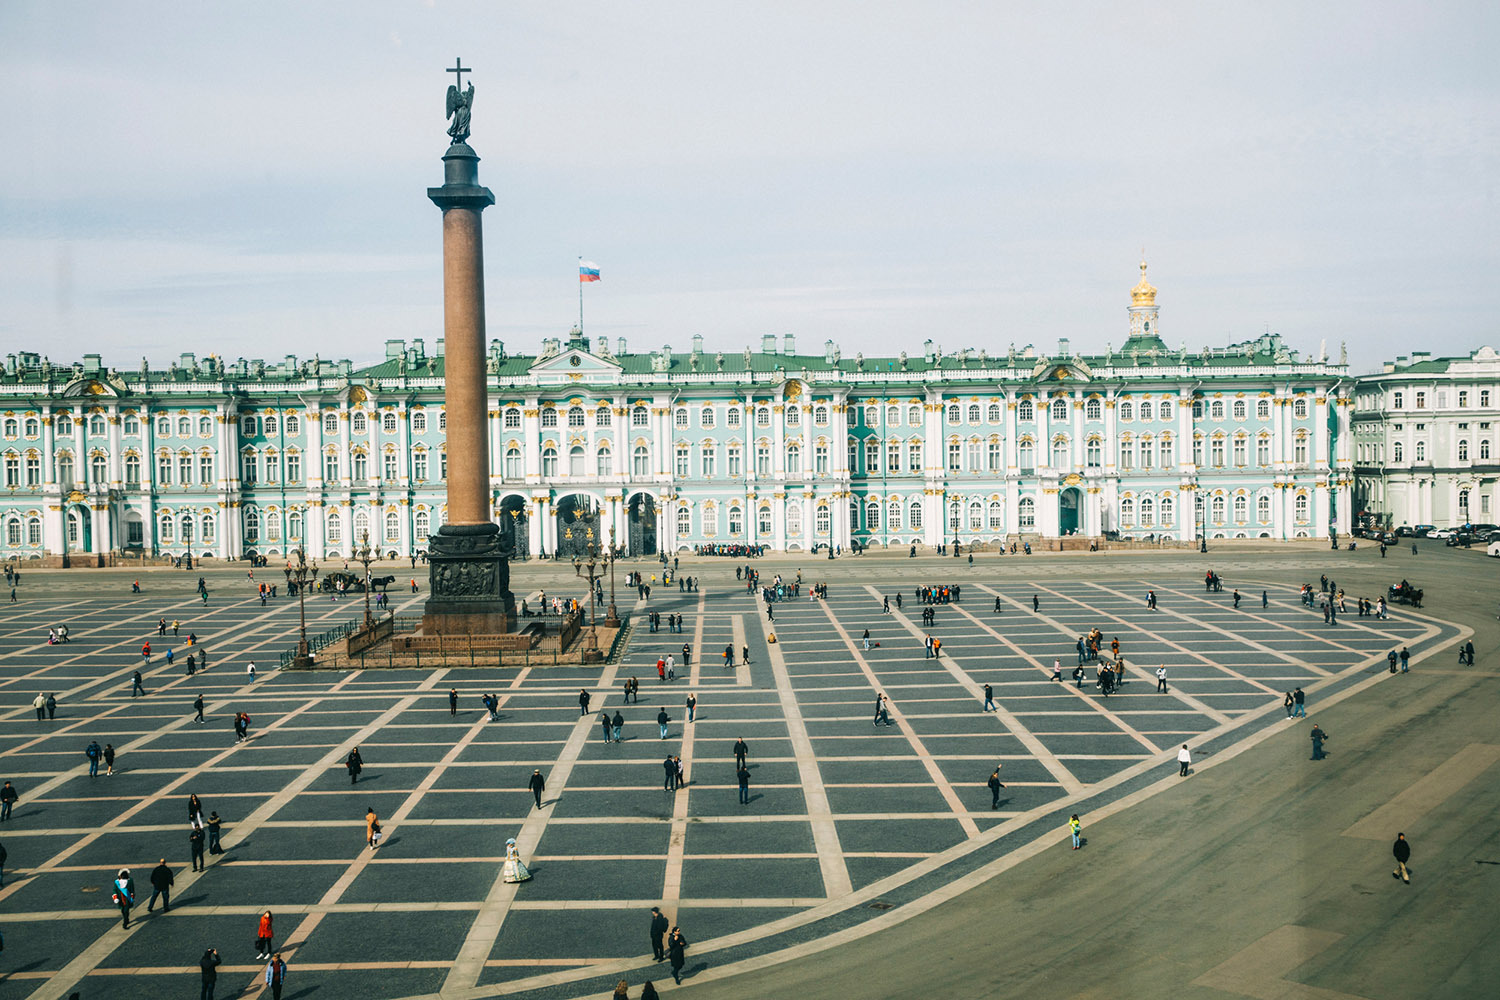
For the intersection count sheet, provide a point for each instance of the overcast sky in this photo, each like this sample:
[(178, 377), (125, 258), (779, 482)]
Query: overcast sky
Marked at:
[(249, 179)]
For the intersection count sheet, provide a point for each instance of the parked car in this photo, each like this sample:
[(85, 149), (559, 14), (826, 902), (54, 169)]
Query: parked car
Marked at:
[(1480, 530), (1405, 531), (1389, 538), (1440, 533), (1459, 538), (1423, 530)]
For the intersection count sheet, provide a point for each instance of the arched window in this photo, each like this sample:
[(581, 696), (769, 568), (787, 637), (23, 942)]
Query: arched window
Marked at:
[(513, 467), (132, 470), (1164, 451), (293, 527), (64, 424), (1060, 455), (575, 417), (1127, 411), (1241, 509), (1094, 453), (822, 519), (1059, 409), (736, 520), (997, 516), (604, 461), (640, 461), (549, 461), (1127, 511), (1026, 510), (914, 416), (793, 415), (131, 425), (1216, 508), (793, 460), (893, 515), (914, 514), (576, 460), (1484, 450), (512, 419), (1026, 455), (955, 512), (1164, 411), (13, 532), (992, 413), (1168, 507), (954, 413), (359, 423), (34, 531), (684, 521), (763, 417), (820, 415), (1300, 507), (1197, 409), (361, 526), (973, 413), (252, 525), (1263, 409), (1148, 512), (1463, 504), (794, 519), (1396, 451), (335, 528), (1421, 451), (388, 422), (422, 525), (1263, 509), (65, 469), (640, 416), (1239, 409), (392, 527), (1092, 409), (1146, 411), (1463, 450), (269, 426), (602, 416), (1023, 410), (976, 515), (872, 516), (1216, 409), (361, 465), (331, 422), (96, 426), (165, 528), (1299, 408)]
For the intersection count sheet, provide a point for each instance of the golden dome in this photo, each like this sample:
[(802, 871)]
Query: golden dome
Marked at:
[(1143, 294)]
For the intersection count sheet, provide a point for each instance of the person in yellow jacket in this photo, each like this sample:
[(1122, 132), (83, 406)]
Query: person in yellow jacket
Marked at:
[(1075, 828)]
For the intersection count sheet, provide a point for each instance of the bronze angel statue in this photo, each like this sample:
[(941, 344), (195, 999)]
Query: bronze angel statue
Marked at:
[(460, 102)]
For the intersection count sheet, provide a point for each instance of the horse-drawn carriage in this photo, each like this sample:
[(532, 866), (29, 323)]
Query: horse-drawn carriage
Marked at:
[(1405, 593), (340, 582)]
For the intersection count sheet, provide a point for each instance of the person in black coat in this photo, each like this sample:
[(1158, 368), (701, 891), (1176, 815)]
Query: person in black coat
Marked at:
[(209, 963), (161, 885), (1402, 851), (677, 953), (659, 928), (538, 785), (355, 764), (1318, 736)]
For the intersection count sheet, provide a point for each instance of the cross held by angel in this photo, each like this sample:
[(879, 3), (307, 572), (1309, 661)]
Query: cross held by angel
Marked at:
[(460, 103)]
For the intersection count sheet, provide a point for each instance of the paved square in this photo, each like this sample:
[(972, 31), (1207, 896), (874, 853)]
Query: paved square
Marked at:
[(842, 812)]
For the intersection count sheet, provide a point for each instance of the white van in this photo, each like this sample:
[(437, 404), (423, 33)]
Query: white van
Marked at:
[(1493, 549)]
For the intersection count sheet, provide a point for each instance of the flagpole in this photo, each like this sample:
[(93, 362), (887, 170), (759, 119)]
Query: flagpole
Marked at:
[(580, 296)]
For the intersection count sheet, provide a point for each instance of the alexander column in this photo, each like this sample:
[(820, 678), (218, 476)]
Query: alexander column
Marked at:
[(470, 573)]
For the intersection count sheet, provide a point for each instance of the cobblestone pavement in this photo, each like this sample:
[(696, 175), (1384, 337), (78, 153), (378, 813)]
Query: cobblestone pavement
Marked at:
[(846, 819)]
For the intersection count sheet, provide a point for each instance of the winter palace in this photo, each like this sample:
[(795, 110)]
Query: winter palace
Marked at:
[(660, 451)]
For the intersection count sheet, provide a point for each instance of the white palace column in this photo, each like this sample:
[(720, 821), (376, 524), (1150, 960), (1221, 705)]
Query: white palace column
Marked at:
[(1186, 513), (1344, 471), (1320, 466), (1012, 471), (934, 461), (52, 518), (231, 531)]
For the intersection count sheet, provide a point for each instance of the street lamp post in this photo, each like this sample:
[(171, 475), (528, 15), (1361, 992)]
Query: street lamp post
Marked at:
[(589, 560), (611, 617), (362, 556), (303, 658), (1202, 504)]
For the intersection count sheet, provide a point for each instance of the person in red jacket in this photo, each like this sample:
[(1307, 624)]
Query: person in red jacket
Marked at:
[(263, 936)]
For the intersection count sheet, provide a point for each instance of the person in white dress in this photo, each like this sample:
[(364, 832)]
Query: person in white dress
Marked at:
[(515, 868)]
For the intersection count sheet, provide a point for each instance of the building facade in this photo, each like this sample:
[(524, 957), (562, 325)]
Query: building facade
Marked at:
[(1425, 446), (666, 450)]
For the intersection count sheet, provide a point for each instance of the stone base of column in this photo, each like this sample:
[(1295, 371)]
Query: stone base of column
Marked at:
[(469, 582)]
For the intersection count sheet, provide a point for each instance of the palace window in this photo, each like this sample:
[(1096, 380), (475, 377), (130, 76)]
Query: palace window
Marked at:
[(335, 528), (1397, 452), (1060, 409), (1421, 451), (1263, 451), (64, 424), (762, 458), (820, 415), (1463, 397), (1027, 513), (1300, 507), (973, 413), (1240, 448), (732, 417), (1060, 457), (680, 461), (709, 456), (1127, 412), (1127, 511), (893, 456), (419, 465), (640, 461), (1024, 411), (1164, 411), (794, 519), (1263, 509), (1146, 411), (33, 469), (1239, 409), (99, 468), (132, 470), (388, 466), (1216, 410), (955, 456), (513, 467), (575, 417), (1164, 451), (914, 416), (1299, 408), (793, 460), (736, 461), (1148, 512), (914, 512), (1217, 506), (576, 461), (872, 516), (993, 413), (1299, 451), (763, 417), (640, 417), (549, 462), (914, 456), (736, 520), (1484, 450), (1197, 409), (1217, 450), (387, 422), (1093, 453), (706, 417), (975, 455), (549, 417), (820, 457), (359, 424), (249, 468), (1092, 409), (893, 515), (822, 519), (185, 469), (997, 516), (872, 457), (1463, 451), (331, 422), (1168, 508), (976, 516), (1026, 455), (994, 460), (603, 417), (1127, 455), (1241, 509), (247, 426), (953, 413)]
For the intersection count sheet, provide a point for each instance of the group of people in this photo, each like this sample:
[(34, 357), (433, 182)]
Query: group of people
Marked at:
[(939, 594), (737, 549), (674, 622)]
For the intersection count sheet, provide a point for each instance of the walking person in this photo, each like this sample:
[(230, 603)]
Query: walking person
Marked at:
[(1265, 601), (1299, 703), (1184, 760), (214, 823), (209, 965), (1075, 828), (604, 723), (453, 701), (40, 704), (662, 718), (93, 753), (250, 671), (692, 705), (1290, 705), (263, 936), (741, 751), (372, 830), (135, 685), (1401, 849), (354, 764), (1405, 659), (677, 953), (1390, 659), (198, 707), (669, 768), (195, 848), (538, 785), (989, 698), (124, 896), (1318, 736), (1036, 603), (742, 775), (583, 703), (995, 784), (161, 885), (618, 725), (109, 760), (1057, 670), (52, 698), (276, 976), (1161, 678), (659, 928), (8, 796)]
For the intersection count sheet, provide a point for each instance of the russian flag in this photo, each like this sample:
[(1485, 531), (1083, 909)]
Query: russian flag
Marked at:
[(588, 271)]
